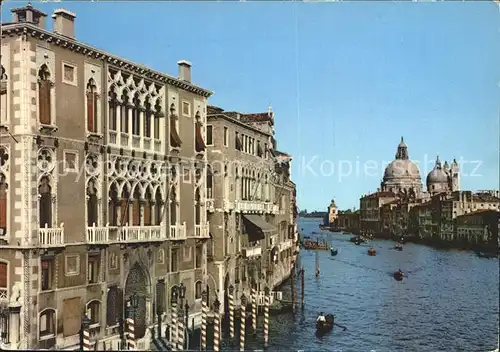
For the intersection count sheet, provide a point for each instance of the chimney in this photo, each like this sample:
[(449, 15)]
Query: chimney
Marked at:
[(184, 70), (64, 22), (29, 14)]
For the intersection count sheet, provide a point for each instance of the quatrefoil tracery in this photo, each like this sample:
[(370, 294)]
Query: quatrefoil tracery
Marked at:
[(45, 160)]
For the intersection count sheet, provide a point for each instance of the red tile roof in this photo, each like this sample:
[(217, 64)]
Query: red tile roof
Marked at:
[(380, 194)]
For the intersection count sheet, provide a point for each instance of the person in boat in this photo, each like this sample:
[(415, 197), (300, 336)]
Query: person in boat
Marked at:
[(321, 318), (400, 272)]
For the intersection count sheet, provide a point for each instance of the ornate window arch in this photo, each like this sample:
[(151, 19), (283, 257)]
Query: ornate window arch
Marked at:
[(197, 206), (45, 211), (45, 97), (114, 306), (93, 310), (47, 324), (173, 205), (198, 289)]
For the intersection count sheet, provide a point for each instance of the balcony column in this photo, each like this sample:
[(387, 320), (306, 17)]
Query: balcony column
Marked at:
[(130, 112), (118, 111), (142, 130)]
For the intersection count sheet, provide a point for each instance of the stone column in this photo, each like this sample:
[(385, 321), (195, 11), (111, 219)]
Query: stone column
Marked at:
[(14, 327)]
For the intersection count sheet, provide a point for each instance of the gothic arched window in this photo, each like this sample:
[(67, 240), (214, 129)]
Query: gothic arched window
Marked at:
[(136, 120), (147, 208), (45, 203), (44, 96), (112, 108), (92, 208), (197, 207), (124, 112), (136, 208), (113, 206), (173, 206), (92, 106)]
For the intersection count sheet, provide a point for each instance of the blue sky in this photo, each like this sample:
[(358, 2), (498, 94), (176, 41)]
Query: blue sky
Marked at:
[(345, 80)]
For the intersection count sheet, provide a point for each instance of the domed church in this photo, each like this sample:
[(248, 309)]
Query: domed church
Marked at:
[(443, 178), (402, 176)]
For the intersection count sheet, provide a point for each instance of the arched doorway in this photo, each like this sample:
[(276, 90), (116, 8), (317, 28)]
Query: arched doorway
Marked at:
[(138, 283)]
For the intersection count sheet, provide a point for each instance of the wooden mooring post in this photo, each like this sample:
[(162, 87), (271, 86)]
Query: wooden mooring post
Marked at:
[(317, 265), (302, 286), (293, 283)]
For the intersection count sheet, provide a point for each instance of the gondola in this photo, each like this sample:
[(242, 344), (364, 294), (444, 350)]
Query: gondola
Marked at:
[(325, 326), (333, 251), (398, 275), (372, 251)]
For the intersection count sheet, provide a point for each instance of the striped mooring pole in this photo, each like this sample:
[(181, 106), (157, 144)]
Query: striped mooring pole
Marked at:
[(204, 314), (85, 339), (216, 325), (131, 333), (173, 327), (267, 303), (230, 297), (254, 310), (243, 318), (180, 329)]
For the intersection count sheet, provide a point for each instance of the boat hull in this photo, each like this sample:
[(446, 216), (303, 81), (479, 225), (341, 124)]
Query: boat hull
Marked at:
[(322, 327), (398, 276)]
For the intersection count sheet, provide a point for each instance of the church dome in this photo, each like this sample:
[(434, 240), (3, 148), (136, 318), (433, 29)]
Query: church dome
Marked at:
[(401, 168), (438, 174)]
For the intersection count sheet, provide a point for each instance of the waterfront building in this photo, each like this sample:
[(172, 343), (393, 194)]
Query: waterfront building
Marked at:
[(370, 210), (102, 188), (478, 227), (348, 220), (446, 207), (252, 215)]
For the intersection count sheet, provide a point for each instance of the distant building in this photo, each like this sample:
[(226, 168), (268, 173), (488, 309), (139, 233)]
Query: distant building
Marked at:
[(347, 220), (480, 226), (370, 206), (332, 212)]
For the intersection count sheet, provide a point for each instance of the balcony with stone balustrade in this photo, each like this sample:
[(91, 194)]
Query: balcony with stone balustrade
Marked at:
[(202, 231), (98, 234), (51, 236), (178, 232), (129, 234), (251, 252)]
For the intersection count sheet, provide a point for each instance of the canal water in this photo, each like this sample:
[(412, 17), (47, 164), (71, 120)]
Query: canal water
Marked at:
[(448, 302)]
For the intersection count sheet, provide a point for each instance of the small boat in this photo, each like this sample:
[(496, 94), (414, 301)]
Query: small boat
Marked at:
[(357, 243), (325, 326), (398, 275), (486, 255), (357, 239), (398, 247), (333, 251), (372, 251)]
